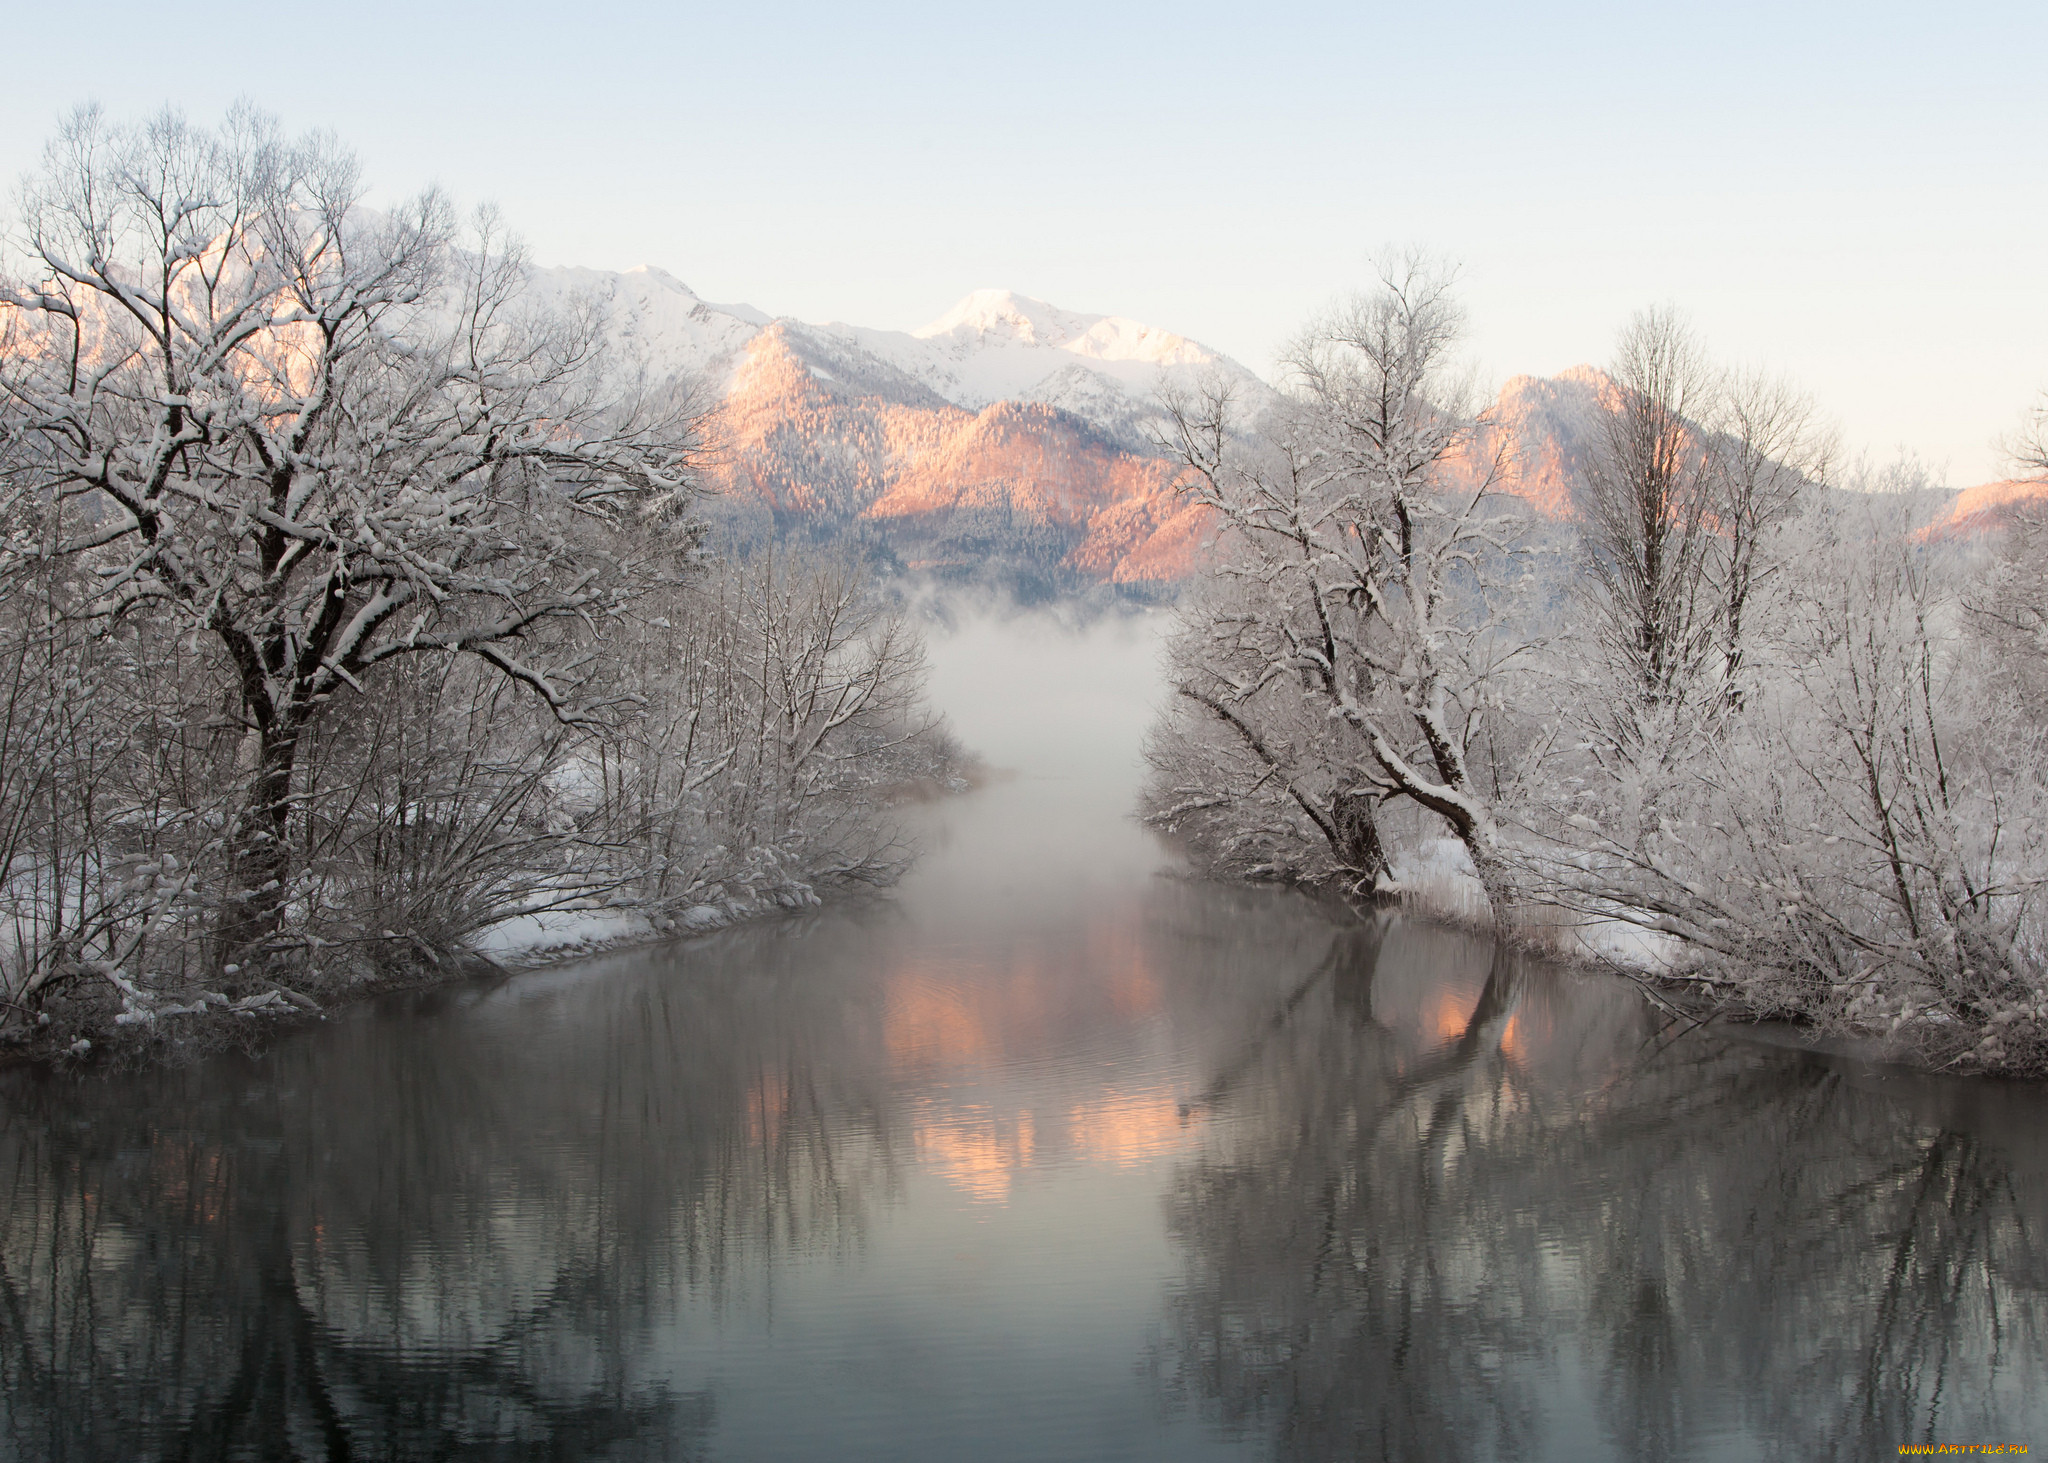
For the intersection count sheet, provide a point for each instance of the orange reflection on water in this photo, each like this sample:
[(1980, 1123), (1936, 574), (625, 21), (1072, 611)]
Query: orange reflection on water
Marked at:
[(767, 1103), (1120, 947), (944, 1021), (983, 1154), (1127, 1129), (1531, 1031), (927, 1019), (974, 1151), (936, 1011), (1448, 1015)]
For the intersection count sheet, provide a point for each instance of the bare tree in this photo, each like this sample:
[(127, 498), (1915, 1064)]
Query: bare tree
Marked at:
[(319, 437), (1646, 509), (2010, 611), (1255, 736), (1859, 847), (1768, 450), (1355, 649), (2029, 446), (760, 760)]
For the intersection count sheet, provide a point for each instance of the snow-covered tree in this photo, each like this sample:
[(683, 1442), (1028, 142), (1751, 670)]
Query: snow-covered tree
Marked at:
[(1350, 652), (1646, 515), (1860, 843), (758, 761), (2029, 446), (1683, 520), (1769, 450), (1770, 721), (317, 437)]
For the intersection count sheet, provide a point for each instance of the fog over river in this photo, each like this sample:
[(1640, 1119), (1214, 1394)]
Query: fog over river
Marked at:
[(1048, 1153)]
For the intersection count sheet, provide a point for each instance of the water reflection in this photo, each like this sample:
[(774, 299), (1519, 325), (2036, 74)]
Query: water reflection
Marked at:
[(1045, 1156), (1421, 1200), (553, 1217), (1522, 1221)]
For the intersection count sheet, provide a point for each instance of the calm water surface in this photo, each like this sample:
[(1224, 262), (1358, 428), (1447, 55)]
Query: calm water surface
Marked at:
[(1049, 1155)]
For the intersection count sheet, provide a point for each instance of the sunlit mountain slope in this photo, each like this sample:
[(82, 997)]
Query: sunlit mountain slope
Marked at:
[(1011, 430)]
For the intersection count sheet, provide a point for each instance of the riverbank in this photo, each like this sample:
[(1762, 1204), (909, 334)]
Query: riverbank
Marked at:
[(193, 1023), (989, 1156), (1438, 885)]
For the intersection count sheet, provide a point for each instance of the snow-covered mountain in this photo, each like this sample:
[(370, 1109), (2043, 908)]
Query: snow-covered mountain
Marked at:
[(1013, 432), (657, 317), (1008, 430), (994, 345)]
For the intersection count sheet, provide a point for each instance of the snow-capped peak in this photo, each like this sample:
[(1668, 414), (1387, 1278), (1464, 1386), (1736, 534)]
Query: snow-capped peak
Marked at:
[(655, 317), (988, 317), (1009, 314), (654, 274), (995, 345)]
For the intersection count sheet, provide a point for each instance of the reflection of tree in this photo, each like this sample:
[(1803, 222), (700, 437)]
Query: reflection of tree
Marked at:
[(148, 1304), (1417, 1249), (1351, 951), (1451, 1206), (422, 1239)]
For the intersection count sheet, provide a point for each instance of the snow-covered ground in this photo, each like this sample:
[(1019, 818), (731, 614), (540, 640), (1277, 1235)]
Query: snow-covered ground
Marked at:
[(561, 934), (1437, 880)]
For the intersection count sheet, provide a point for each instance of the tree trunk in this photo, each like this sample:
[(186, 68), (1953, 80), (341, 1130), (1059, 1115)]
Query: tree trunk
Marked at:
[(1355, 818), (1498, 882), (259, 858)]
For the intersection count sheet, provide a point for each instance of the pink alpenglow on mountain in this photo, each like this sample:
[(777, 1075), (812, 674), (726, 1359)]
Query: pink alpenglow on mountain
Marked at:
[(1990, 507), (1011, 425)]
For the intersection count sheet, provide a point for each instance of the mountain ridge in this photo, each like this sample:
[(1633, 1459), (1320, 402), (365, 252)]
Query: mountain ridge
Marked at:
[(1011, 429)]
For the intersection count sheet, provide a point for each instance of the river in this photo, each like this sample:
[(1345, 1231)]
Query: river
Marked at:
[(1050, 1153)]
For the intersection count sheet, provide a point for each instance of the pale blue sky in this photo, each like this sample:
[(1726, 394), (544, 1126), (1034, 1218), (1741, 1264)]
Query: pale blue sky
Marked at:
[(1856, 194)]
